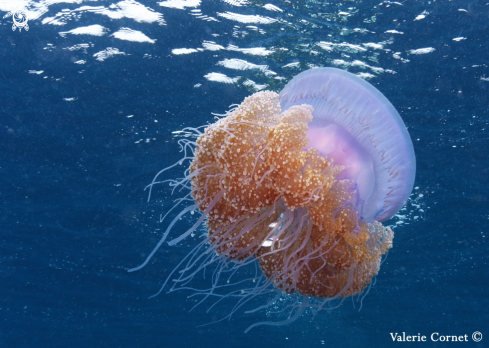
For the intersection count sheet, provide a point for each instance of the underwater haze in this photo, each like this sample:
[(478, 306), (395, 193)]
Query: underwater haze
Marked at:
[(94, 97)]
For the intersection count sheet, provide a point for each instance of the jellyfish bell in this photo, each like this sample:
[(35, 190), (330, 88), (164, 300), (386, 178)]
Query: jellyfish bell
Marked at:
[(356, 126), (297, 184)]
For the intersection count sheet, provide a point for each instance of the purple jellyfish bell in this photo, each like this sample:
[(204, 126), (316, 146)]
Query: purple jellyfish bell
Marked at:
[(358, 128)]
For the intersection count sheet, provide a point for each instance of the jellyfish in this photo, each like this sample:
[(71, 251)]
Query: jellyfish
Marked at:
[(298, 184)]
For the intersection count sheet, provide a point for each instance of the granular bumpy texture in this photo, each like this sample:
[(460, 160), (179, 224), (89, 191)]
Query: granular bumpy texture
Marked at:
[(265, 196)]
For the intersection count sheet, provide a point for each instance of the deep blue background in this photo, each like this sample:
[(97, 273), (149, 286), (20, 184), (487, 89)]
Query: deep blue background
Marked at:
[(74, 215)]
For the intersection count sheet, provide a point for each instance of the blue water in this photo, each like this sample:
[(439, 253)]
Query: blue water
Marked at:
[(80, 138)]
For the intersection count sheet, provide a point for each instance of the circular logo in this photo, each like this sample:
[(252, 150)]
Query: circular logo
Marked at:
[(20, 18), (477, 336)]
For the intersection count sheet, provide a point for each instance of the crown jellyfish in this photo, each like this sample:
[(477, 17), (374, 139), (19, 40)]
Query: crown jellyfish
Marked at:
[(299, 181)]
